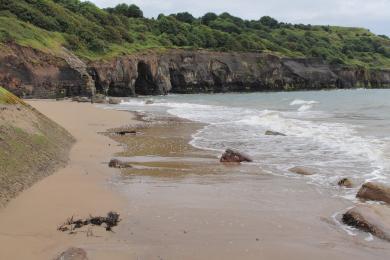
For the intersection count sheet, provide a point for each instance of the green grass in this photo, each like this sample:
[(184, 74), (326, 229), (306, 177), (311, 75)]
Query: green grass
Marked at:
[(8, 98), (93, 33)]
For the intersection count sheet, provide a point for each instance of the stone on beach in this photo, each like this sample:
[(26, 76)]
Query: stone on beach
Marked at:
[(115, 163), (99, 99), (234, 156), (374, 191), (114, 101), (345, 182), (274, 133), (302, 170), (370, 218), (73, 253)]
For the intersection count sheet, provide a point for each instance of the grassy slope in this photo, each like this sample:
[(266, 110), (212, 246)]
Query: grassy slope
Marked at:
[(93, 34), (31, 146)]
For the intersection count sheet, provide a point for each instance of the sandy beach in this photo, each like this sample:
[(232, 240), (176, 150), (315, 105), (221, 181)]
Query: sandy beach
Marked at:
[(177, 202), (29, 223)]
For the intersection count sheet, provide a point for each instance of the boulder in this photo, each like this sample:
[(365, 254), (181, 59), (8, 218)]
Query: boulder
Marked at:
[(149, 102), (374, 191), (99, 98), (114, 101), (84, 100), (273, 133), (370, 218), (302, 170), (115, 163), (73, 253), (345, 182), (234, 156)]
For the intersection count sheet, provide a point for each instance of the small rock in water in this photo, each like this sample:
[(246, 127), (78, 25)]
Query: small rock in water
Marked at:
[(302, 170), (115, 163), (374, 191), (73, 253), (273, 133), (370, 218), (234, 156), (345, 182), (149, 102)]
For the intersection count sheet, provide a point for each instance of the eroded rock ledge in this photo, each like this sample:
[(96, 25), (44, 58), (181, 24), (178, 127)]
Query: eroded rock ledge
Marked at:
[(36, 74)]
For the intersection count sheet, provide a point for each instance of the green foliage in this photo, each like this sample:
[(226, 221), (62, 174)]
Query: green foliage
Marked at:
[(95, 33)]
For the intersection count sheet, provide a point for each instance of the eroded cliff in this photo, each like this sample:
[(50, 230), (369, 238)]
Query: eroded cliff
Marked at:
[(28, 72)]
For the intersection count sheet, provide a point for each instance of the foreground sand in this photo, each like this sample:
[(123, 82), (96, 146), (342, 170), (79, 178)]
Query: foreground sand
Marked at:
[(28, 224)]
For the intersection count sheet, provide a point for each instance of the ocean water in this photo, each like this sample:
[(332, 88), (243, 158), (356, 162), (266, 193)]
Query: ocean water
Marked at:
[(339, 133)]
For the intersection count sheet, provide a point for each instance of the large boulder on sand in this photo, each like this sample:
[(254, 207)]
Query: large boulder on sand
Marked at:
[(73, 253), (374, 191), (370, 218), (234, 156), (99, 99), (301, 170), (115, 163)]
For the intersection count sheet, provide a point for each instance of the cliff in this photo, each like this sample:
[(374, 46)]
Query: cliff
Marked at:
[(32, 73), (31, 146)]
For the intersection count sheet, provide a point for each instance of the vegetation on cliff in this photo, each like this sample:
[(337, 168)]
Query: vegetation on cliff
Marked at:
[(95, 33), (31, 146)]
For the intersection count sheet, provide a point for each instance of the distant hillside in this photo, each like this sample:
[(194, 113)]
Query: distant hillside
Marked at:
[(31, 146), (94, 33)]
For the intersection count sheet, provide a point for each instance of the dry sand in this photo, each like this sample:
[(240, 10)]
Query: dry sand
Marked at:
[(28, 224)]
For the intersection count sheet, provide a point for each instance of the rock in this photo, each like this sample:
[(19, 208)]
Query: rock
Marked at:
[(99, 99), (234, 156), (126, 132), (149, 102), (345, 182), (302, 170), (114, 101), (273, 133), (73, 253), (115, 163), (374, 191), (370, 218), (81, 99)]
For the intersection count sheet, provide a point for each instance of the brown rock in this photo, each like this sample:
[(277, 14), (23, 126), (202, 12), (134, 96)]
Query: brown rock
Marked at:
[(374, 191), (273, 133), (370, 218), (234, 156), (115, 163), (302, 170), (73, 253), (114, 101), (345, 182), (99, 99)]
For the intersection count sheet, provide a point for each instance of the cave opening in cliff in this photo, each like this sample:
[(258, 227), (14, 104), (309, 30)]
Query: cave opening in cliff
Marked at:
[(144, 85)]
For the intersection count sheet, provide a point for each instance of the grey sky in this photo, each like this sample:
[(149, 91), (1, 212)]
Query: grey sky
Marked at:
[(371, 14)]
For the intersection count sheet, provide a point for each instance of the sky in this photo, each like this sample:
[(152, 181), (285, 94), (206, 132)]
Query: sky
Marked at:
[(371, 14)]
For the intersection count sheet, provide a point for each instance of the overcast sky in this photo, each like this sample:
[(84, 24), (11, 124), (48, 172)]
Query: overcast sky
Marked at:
[(371, 14)]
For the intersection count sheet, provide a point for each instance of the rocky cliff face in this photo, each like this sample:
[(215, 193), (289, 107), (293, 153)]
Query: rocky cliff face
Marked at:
[(32, 73), (29, 72), (180, 71)]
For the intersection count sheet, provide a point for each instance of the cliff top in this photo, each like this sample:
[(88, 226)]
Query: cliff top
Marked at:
[(93, 33)]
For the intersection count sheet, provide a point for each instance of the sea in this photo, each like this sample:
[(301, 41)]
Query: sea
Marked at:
[(338, 133)]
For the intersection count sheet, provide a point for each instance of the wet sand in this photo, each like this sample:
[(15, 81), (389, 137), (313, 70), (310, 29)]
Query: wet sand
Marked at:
[(184, 204), (178, 202)]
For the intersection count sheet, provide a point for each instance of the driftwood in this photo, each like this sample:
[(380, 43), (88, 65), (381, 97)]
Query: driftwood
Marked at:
[(71, 224)]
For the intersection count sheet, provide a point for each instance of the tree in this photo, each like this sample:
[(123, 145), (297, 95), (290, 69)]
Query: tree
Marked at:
[(128, 11), (269, 21), (184, 17), (209, 17)]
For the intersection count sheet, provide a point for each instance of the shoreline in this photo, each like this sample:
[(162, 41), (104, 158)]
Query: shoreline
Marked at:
[(187, 205), (31, 219)]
